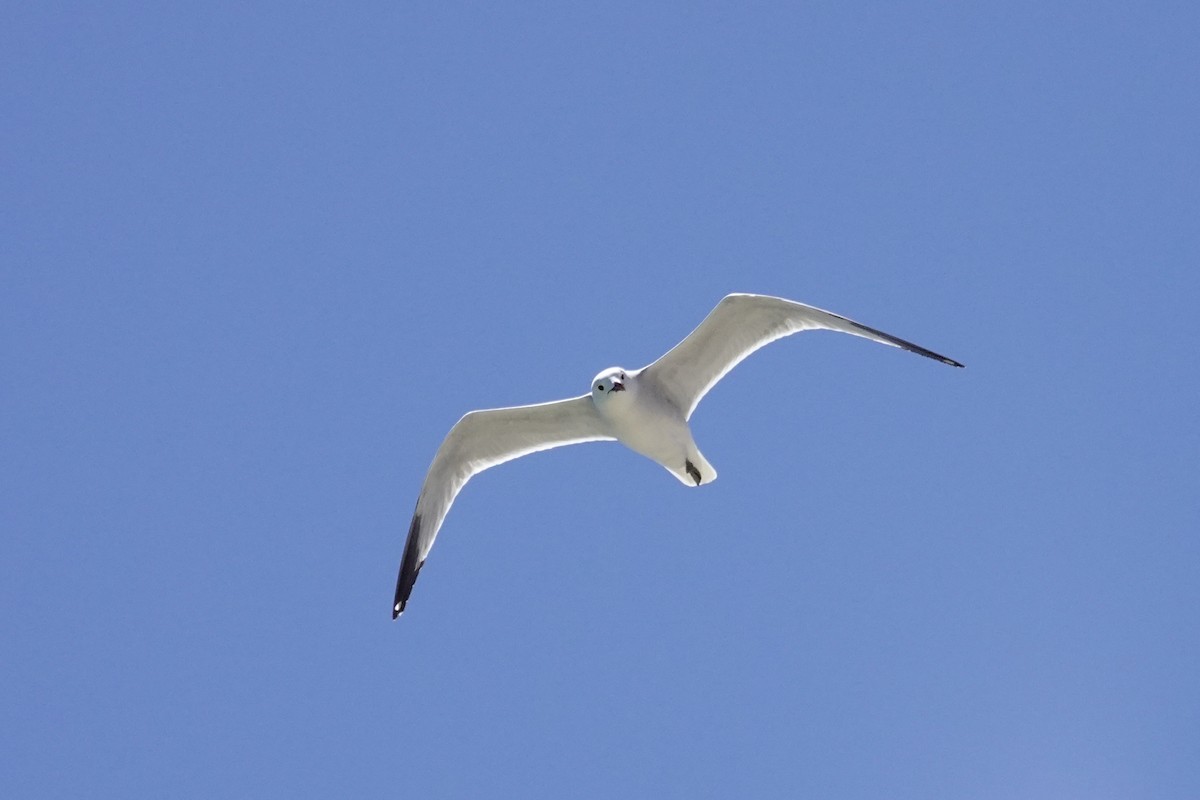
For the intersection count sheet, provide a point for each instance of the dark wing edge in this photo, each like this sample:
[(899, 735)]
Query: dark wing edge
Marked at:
[(410, 565), (901, 343)]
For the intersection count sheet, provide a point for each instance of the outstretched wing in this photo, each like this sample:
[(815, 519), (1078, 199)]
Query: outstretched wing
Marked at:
[(479, 441), (739, 325)]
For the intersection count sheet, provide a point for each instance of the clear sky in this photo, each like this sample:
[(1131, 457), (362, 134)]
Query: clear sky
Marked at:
[(256, 259)]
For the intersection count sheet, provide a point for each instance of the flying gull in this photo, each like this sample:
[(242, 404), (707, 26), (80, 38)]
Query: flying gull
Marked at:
[(645, 409)]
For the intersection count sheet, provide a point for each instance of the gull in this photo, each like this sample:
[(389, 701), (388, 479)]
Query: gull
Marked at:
[(646, 409)]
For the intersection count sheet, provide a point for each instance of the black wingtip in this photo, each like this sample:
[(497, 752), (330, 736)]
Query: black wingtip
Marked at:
[(904, 344), (410, 567)]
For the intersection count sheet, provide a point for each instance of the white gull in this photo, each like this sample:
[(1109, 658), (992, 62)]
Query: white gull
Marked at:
[(645, 409)]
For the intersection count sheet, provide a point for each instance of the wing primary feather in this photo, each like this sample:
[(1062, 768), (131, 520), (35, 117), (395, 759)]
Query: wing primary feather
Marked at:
[(896, 340), (410, 566)]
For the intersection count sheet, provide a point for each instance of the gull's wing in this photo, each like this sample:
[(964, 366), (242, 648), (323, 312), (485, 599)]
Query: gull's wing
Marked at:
[(479, 441), (739, 325)]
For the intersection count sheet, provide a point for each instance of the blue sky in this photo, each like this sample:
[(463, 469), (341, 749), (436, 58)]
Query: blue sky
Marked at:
[(255, 262)]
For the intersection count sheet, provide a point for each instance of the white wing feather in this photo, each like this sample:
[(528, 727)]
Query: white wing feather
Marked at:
[(739, 325), (479, 441)]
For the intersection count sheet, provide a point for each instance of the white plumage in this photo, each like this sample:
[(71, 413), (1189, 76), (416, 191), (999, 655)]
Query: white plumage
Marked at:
[(646, 409)]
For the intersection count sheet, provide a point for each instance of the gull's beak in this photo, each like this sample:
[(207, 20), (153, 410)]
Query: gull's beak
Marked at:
[(617, 387)]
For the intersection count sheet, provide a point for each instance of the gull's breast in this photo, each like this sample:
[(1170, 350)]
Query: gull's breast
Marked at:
[(656, 431)]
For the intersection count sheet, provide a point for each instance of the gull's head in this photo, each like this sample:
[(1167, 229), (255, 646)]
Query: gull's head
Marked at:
[(610, 383)]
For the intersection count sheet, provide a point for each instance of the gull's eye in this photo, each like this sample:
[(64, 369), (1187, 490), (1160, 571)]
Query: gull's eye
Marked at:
[(622, 376), (599, 387)]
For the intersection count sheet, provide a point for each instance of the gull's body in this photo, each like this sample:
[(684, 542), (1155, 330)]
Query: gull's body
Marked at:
[(647, 410), (643, 418)]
